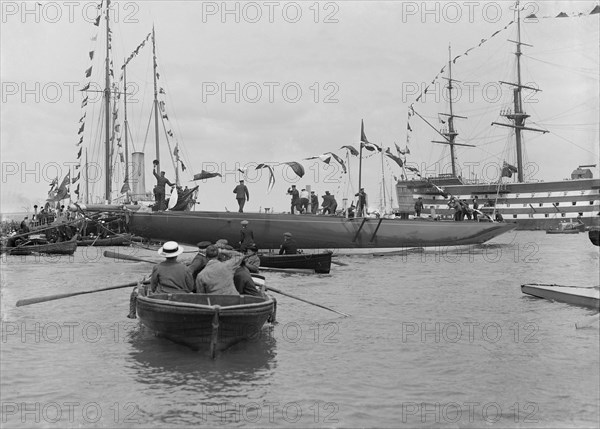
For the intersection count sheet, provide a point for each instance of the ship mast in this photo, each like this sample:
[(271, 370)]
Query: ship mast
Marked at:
[(125, 127), (108, 109), (155, 100), (519, 116), (450, 135)]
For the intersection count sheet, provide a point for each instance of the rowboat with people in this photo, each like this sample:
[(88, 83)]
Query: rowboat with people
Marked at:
[(204, 320)]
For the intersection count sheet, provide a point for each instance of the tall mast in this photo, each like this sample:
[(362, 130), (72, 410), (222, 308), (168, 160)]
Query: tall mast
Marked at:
[(107, 108), (382, 185), (450, 135), (125, 127), (519, 116), (87, 182), (155, 99)]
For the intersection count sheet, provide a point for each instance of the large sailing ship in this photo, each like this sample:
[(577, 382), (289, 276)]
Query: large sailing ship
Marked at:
[(531, 204), (311, 231)]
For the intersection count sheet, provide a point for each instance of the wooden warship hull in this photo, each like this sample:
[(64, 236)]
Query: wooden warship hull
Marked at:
[(311, 231), (585, 297), (319, 262), (204, 321)]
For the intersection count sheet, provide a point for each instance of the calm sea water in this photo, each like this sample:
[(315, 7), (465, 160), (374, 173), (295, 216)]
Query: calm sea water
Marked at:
[(441, 338)]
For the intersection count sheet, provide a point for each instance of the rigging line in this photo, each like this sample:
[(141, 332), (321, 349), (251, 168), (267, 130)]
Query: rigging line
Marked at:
[(148, 128), (168, 143), (574, 144), (578, 70)]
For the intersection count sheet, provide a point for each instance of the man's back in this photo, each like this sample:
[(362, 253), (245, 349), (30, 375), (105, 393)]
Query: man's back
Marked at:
[(171, 276), (217, 277)]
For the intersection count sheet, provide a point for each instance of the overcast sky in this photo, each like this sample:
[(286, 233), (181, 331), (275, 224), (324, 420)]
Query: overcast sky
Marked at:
[(300, 77)]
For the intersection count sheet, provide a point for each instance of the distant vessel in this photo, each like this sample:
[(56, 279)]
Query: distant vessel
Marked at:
[(532, 205)]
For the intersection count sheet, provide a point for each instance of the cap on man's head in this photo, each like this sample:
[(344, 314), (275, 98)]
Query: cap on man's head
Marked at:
[(293, 186), (241, 180), (312, 192), (244, 222), (170, 249), (287, 234), (326, 192), (212, 251), (203, 244)]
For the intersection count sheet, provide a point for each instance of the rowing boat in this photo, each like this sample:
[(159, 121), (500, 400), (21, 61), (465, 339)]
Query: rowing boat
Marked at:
[(59, 248), (319, 262), (582, 296), (201, 320), (116, 240)]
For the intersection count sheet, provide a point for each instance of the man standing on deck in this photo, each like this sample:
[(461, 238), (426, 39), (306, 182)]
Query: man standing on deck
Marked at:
[(304, 195), (159, 189), (241, 195), (475, 207), (295, 198), (171, 276), (289, 245), (314, 202), (419, 207), (361, 203)]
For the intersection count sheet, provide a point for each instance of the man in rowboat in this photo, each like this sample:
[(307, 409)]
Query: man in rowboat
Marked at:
[(200, 260), (217, 276), (171, 276), (289, 245)]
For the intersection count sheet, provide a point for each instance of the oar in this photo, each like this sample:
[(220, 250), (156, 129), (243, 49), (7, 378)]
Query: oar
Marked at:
[(117, 255), (30, 301), (341, 264), (288, 270), (272, 289)]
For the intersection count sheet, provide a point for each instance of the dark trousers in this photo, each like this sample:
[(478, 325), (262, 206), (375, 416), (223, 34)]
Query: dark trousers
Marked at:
[(241, 203), (295, 206), (160, 200)]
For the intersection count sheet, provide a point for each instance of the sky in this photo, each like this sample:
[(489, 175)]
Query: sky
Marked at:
[(273, 82)]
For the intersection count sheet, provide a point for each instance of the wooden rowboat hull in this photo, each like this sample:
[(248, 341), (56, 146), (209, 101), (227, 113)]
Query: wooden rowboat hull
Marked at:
[(200, 320), (60, 248), (585, 297), (319, 262)]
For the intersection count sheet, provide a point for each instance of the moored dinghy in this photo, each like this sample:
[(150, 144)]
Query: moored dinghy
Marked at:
[(319, 262), (582, 296), (201, 320)]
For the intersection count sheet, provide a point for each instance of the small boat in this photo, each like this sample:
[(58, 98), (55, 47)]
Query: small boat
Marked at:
[(58, 248), (594, 234), (201, 320), (319, 262), (115, 240), (567, 228), (582, 296)]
